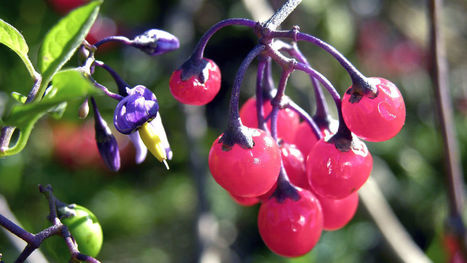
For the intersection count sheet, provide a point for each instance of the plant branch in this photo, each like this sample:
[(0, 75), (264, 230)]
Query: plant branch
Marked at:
[(281, 14), (454, 175)]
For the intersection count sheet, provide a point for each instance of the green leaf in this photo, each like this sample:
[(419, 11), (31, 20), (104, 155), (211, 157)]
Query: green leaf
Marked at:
[(12, 38), (68, 85), (63, 39)]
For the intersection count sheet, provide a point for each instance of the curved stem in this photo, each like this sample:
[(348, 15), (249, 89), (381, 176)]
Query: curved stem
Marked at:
[(355, 75), (343, 129), (234, 99), (120, 39), (321, 113), (106, 91), (276, 102), (199, 49), (259, 93), (122, 85), (305, 116)]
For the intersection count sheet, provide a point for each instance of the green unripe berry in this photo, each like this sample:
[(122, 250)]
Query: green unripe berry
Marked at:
[(84, 228)]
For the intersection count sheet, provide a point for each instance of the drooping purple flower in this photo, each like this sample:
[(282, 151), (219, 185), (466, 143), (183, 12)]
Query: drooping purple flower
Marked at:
[(141, 150), (135, 109), (156, 42), (106, 142)]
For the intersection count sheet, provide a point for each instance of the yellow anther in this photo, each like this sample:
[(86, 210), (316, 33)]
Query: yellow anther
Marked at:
[(153, 142)]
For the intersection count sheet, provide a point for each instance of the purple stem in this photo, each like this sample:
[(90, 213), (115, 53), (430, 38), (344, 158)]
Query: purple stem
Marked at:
[(120, 39), (122, 85), (259, 94), (343, 129), (107, 92), (25, 253), (234, 99), (199, 49), (299, 36), (16, 230), (321, 113), (276, 102), (305, 116)]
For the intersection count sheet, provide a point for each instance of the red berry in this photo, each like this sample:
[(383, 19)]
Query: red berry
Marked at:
[(375, 119), (291, 228), (287, 119), (245, 201), (194, 91), (336, 174), (65, 6), (305, 138), (338, 212), (294, 164), (246, 172)]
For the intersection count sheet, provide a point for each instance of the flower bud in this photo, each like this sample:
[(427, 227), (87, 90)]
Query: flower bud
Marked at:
[(156, 42), (135, 109), (106, 142)]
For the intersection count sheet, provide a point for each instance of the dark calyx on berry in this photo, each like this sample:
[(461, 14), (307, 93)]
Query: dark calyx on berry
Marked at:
[(285, 190), (361, 88), (195, 67), (240, 135)]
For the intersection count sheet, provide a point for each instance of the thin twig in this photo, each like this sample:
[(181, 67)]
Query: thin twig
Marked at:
[(281, 14), (439, 76), (385, 219)]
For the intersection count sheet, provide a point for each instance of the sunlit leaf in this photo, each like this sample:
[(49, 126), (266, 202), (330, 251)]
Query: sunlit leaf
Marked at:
[(64, 38), (12, 38)]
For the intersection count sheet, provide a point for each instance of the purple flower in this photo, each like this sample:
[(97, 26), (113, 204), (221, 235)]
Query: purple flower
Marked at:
[(156, 42), (135, 109), (106, 142)]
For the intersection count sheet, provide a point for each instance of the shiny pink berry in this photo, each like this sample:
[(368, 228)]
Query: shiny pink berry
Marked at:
[(294, 165), (374, 118), (195, 91), (287, 119), (336, 174), (291, 228), (338, 212), (246, 172), (244, 201)]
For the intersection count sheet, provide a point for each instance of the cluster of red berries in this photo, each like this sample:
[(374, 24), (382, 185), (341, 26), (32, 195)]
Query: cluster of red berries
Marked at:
[(323, 174)]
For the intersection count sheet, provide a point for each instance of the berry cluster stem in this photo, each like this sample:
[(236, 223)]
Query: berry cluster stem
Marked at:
[(235, 97), (198, 54), (262, 67)]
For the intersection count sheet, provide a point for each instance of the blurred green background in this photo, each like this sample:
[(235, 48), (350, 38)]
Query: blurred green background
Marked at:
[(149, 214)]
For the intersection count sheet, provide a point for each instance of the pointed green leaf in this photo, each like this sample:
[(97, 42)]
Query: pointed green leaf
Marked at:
[(12, 38), (68, 85), (64, 38)]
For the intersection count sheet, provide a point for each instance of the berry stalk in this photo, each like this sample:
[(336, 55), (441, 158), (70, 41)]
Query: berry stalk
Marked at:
[(122, 85), (198, 54), (262, 67), (234, 99)]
